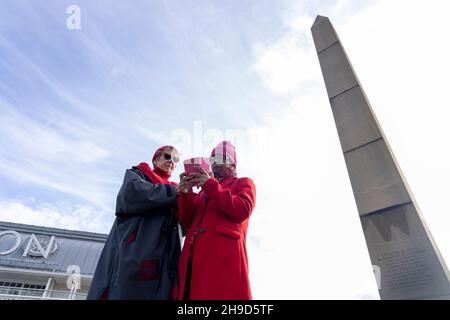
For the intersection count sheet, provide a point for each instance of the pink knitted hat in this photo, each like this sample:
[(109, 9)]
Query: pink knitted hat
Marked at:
[(226, 149)]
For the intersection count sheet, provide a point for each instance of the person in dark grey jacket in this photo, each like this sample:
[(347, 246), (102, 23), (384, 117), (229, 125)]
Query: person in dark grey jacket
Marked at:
[(140, 256)]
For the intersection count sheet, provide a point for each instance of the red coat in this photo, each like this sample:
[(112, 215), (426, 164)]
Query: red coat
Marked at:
[(217, 220)]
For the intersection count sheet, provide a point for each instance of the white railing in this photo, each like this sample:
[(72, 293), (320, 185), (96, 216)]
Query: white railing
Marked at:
[(10, 293)]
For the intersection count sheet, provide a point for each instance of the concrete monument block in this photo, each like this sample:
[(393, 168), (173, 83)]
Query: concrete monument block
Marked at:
[(338, 71), (400, 246), (356, 126), (375, 179), (325, 35)]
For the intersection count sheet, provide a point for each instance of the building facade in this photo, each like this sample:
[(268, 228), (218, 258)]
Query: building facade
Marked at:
[(42, 263)]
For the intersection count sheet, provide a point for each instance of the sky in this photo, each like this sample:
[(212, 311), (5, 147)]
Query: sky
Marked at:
[(78, 106)]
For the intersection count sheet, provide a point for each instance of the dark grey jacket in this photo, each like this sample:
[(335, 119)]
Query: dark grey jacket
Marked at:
[(140, 257)]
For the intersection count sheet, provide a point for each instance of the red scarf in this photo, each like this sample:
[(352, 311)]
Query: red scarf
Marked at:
[(156, 175)]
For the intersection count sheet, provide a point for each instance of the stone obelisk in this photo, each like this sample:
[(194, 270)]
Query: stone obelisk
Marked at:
[(406, 261)]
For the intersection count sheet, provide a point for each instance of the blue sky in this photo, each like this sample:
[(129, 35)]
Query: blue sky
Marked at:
[(79, 97), (78, 107), (76, 102)]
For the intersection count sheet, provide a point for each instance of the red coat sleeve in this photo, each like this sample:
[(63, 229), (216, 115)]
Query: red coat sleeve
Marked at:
[(186, 209), (239, 206)]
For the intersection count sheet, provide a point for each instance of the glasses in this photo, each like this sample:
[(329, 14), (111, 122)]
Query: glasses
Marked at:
[(168, 156), (220, 159)]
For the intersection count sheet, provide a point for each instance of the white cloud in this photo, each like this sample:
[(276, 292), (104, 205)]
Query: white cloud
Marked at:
[(305, 238), (47, 144), (38, 154), (212, 47), (63, 216), (287, 65)]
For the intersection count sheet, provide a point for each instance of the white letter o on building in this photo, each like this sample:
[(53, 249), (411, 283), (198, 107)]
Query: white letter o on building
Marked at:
[(16, 245)]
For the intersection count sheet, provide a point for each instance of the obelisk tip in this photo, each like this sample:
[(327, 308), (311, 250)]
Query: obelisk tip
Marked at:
[(319, 19)]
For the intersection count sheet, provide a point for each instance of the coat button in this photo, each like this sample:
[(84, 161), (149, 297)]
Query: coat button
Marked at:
[(201, 230)]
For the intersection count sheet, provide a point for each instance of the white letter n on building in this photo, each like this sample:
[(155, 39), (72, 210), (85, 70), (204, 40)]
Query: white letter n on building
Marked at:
[(38, 245)]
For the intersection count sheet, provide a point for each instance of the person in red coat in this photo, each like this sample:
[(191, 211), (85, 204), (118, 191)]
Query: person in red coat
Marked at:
[(213, 264)]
